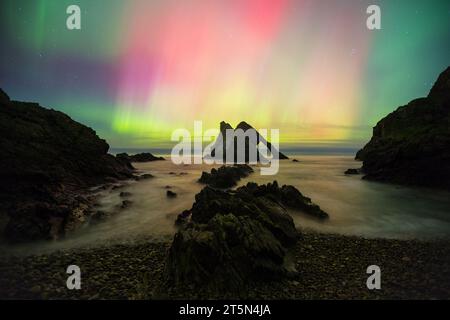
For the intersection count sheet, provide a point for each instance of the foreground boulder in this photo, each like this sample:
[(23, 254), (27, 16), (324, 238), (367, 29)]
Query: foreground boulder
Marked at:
[(225, 176), (412, 144), (140, 157), (48, 163), (229, 238)]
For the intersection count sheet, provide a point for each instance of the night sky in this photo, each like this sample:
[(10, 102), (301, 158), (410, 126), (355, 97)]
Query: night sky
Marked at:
[(139, 69)]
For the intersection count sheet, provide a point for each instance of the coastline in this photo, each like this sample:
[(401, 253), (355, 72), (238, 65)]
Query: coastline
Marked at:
[(330, 266)]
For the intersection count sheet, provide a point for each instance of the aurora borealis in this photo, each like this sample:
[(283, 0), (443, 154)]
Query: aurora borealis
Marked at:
[(139, 69)]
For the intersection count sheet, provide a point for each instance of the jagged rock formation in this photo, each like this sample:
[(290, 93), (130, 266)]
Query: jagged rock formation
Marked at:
[(231, 237), (140, 157), (412, 144), (48, 162), (250, 146), (225, 176)]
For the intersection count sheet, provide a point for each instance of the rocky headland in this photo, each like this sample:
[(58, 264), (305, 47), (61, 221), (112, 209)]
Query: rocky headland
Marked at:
[(48, 165), (411, 145)]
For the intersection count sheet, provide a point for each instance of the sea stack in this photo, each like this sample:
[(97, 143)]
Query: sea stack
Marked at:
[(250, 146)]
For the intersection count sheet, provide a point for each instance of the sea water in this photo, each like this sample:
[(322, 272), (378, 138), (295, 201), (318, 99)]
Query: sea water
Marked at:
[(355, 206)]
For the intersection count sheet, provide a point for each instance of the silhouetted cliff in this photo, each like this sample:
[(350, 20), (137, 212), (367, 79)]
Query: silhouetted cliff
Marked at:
[(47, 160), (412, 144)]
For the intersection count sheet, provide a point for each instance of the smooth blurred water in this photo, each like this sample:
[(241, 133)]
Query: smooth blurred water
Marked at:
[(355, 206), (361, 207)]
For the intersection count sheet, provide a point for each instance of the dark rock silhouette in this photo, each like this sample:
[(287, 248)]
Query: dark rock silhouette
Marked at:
[(171, 194), (412, 144), (231, 237), (125, 194), (352, 171), (231, 146), (289, 196), (126, 204), (48, 163), (144, 176), (140, 157), (183, 218), (225, 176), (4, 98)]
